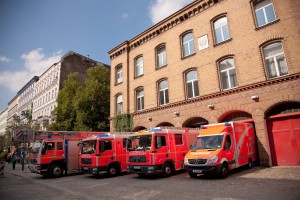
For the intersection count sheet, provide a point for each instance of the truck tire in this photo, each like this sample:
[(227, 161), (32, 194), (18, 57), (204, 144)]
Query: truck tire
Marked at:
[(223, 173), (167, 170), (56, 171), (192, 175), (250, 163), (112, 170)]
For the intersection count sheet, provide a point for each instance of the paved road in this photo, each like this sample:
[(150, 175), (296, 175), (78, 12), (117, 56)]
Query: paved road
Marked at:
[(274, 183)]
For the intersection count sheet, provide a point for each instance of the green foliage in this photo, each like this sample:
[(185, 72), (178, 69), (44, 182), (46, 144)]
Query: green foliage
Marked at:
[(84, 105), (123, 123)]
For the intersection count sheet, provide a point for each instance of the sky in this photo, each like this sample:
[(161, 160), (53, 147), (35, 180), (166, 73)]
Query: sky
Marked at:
[(34, 34)]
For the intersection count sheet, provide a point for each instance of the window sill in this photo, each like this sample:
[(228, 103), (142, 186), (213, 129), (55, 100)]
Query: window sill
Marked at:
[(182, 58), (225, 41), (138, 76), (118, 83), (164, 66), (266, 25)]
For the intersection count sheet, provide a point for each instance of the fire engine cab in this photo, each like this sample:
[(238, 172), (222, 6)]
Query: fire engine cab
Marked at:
[(104, 154), (159, 150)]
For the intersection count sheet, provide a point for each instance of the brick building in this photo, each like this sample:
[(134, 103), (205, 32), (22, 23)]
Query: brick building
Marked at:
[(216, 61)]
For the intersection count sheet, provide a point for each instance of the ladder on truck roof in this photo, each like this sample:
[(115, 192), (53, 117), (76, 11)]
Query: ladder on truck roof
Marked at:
[(171, 129)]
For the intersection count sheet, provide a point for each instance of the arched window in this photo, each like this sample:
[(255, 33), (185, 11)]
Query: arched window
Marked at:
[(119, 104), (140, 99), (119, 74), (221, 30), (163, 92), (192, 84), (139, 66), (264, 12), (188, 44), (161, 56), (227, 74), (275, 62)]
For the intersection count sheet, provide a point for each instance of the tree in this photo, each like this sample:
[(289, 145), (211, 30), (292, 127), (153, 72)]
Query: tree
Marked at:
[(93, 101), (65, 112)]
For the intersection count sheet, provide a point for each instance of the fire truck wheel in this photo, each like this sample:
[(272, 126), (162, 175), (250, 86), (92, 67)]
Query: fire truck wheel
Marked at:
[(112, 170), (56, 171), (167, 170), (192, 175), (224, 171), (250, 163)]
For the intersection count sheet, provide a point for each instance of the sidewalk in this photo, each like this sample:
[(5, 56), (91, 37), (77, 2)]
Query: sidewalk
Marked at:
[(276, 172)]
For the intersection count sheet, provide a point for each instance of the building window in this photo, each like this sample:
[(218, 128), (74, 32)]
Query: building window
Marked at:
[(192, 84), (139, 66), (264, 12), (227, 74), (119, 104), (275, 60), (119, 73), (140, 99), (161, 56), (188, 44), (163, 92), (221, 30)]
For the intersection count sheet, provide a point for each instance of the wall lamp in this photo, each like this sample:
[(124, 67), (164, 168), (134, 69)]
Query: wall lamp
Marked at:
[(176, 113), (149, 118), (255, 98), (211, 106)]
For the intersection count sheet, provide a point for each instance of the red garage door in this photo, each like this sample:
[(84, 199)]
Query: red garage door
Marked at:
[(284, 138)]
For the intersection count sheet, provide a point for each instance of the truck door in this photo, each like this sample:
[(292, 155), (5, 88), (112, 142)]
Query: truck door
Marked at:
[(106, 152), (48, 152), (162, 149), (229, 150)]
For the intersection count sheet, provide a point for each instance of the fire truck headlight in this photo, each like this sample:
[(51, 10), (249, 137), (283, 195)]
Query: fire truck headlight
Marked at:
[(186, 161), (151, 168), (95, 169), (212, 160)]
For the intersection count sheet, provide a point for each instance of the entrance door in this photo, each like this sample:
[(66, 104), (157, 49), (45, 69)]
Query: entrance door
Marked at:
[(284, 138)]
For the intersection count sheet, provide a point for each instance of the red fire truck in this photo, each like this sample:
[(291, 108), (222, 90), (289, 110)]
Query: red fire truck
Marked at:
[(56, 152), (220, 148), (159, 150), (104, 154)]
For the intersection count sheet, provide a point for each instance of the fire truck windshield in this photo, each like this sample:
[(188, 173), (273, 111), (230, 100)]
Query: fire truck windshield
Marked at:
[(36, 147), (139, 143), (208, 142), (88, 147)]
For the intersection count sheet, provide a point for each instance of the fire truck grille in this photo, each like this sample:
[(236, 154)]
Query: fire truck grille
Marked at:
[(86, 161), (197, 161), (137, 159)]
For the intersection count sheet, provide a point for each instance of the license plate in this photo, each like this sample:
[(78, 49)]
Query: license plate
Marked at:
[(136, 167), (197, 171), (85, 168)]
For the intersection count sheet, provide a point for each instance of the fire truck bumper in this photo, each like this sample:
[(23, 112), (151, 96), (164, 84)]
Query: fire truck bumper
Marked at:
[(93, 170), (38, 169), (153, 169), (212, 169)]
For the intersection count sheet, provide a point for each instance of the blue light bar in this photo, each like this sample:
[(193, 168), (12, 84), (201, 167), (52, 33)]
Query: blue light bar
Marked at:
[(226, 123), (202, 127), (157, 129), (103, 135)]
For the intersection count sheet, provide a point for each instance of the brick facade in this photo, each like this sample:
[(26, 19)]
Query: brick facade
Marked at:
[(244, 47)]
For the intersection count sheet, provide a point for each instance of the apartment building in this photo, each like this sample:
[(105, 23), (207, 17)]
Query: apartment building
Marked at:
[(24, 107), (3, 121), (215, 61), (51, 81)]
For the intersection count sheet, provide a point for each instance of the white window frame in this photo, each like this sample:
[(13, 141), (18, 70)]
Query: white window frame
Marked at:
[(193, 81), (273, 57), (139, 66), (189, 44), (227, 71), (263, 7), (221, 25), (161, 56), (119, 104), (165, 92), (119, 75), (140, 99)]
